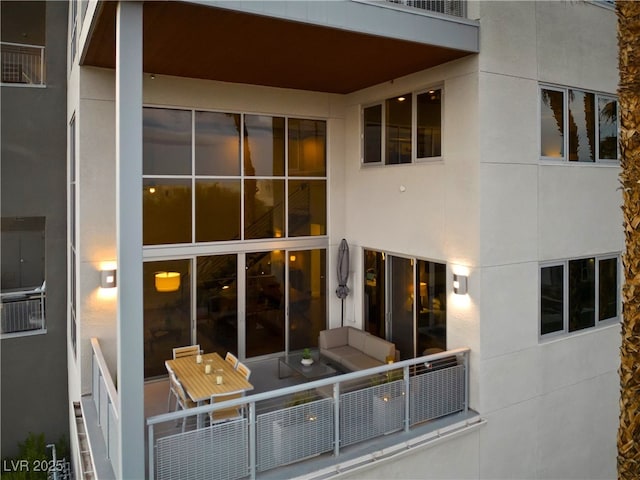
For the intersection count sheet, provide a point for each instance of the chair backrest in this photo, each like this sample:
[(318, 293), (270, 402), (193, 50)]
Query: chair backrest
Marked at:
[(225, 414), (176, 386), (232, 359), (244, 370), (186, 351)]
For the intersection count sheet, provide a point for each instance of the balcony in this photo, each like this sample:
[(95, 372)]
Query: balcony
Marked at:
[(22, 64), (311, 426), (326, 46), (23, 312)]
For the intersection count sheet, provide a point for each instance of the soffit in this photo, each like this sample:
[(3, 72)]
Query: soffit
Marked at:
[(196, 41)]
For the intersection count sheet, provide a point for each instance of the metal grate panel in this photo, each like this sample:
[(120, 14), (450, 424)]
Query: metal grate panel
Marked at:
[(216, 452), (371, 412), (294, 433), (437, 393)]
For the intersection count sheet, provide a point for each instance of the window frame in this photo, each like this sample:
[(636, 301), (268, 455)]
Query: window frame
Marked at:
[(565, 125), (564, 332), (242, 177), (414, 128)]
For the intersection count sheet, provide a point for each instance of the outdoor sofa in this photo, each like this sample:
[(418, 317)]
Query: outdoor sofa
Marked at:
[(352, 349)]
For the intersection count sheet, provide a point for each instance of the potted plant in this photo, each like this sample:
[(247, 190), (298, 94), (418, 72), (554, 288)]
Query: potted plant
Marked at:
[(306, 357)]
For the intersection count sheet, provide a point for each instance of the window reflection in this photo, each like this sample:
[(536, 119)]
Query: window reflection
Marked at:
[(582, 286), (166, 211), (307, 297), (429, 115), (398, 129), (551, 299), (263, 208), (264, 145), (374, 297), (373, 134), (217, 210), (608, 289), (265, 303), (582, 129), (307, 207), (217, 303), (166, 144), (167, 315), (307, 147), (217, 143), (552, 123), (432, 306), (608, 128)]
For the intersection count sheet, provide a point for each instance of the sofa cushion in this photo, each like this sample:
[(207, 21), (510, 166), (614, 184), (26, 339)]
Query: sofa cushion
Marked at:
[(333, 338), (360, 362), (356, 338), (378, 348)]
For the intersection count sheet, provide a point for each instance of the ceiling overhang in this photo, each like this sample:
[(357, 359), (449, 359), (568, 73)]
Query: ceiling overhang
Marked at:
[(207, 42)]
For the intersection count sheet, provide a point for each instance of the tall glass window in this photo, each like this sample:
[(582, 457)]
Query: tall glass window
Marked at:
[(582, 286), (608, 289), (551, 299), (217, 143), (398, 130), (608, 128), (429, 124), (552, 123), (372, 126), (582, 127), (432, 306), (374, 293)]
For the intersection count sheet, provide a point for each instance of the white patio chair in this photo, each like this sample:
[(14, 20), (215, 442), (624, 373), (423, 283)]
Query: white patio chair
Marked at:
[(231, 359), (172, 391), (226, 414), (182, 401), (187, 351), (244, 370)]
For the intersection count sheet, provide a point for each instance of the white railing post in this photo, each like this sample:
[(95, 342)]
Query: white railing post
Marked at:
[(151, 474), (252, 440), (336, 419), (406, 386)]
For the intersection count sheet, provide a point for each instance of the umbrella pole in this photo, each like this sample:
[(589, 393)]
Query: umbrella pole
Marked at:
[(342, 313)]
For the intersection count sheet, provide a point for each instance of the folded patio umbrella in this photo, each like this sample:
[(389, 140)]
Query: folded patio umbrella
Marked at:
[(343, 274)]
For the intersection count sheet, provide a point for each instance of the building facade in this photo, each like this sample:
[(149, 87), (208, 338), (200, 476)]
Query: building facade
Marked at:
[(232, 145), (34, 214)]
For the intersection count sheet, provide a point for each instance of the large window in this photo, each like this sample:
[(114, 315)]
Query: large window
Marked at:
[(403, 129), (578, 294), (214, 176), (405, 302), (578, 126)]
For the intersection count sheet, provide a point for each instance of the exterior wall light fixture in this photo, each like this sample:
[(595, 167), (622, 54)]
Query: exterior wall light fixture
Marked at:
[(460, 284), (107, 278)]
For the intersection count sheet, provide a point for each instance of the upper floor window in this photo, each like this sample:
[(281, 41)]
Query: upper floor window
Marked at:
[(23, 39), (403, 129), (578, 294), (578, 126), (217, 176)]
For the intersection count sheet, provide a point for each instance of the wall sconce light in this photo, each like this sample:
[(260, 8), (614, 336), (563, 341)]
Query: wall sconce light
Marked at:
[(460, 284), (107, 278), (167, 281)]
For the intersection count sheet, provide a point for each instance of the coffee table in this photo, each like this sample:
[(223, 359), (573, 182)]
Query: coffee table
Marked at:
[(315, 371)]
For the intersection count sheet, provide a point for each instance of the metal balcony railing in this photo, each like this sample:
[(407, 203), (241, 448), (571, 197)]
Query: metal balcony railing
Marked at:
[(105, 398), (449, 7), (22, 64), (292, 424), (23, 311)]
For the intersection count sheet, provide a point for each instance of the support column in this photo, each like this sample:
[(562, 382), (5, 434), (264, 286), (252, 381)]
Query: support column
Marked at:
[(129, 238)]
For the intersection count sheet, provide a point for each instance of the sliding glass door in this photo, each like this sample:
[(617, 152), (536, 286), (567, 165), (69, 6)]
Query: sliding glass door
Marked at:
[(405, 302)]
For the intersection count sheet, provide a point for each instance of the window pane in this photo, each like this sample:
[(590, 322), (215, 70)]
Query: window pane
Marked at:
[(217, 143), (307, 298), (608, 288), (582, 293), (552, 123), (263, 208), (401, 284), (263, 145), (217, 210), (167, 315), (217, 304), (373, 134), (551, 299), (432, 307), (429, 124), (608, 125), (265, 303), (166, 142), (398, 131), (582, 129), (307, 207), (307, 148), (374, 299), (166, 211)]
